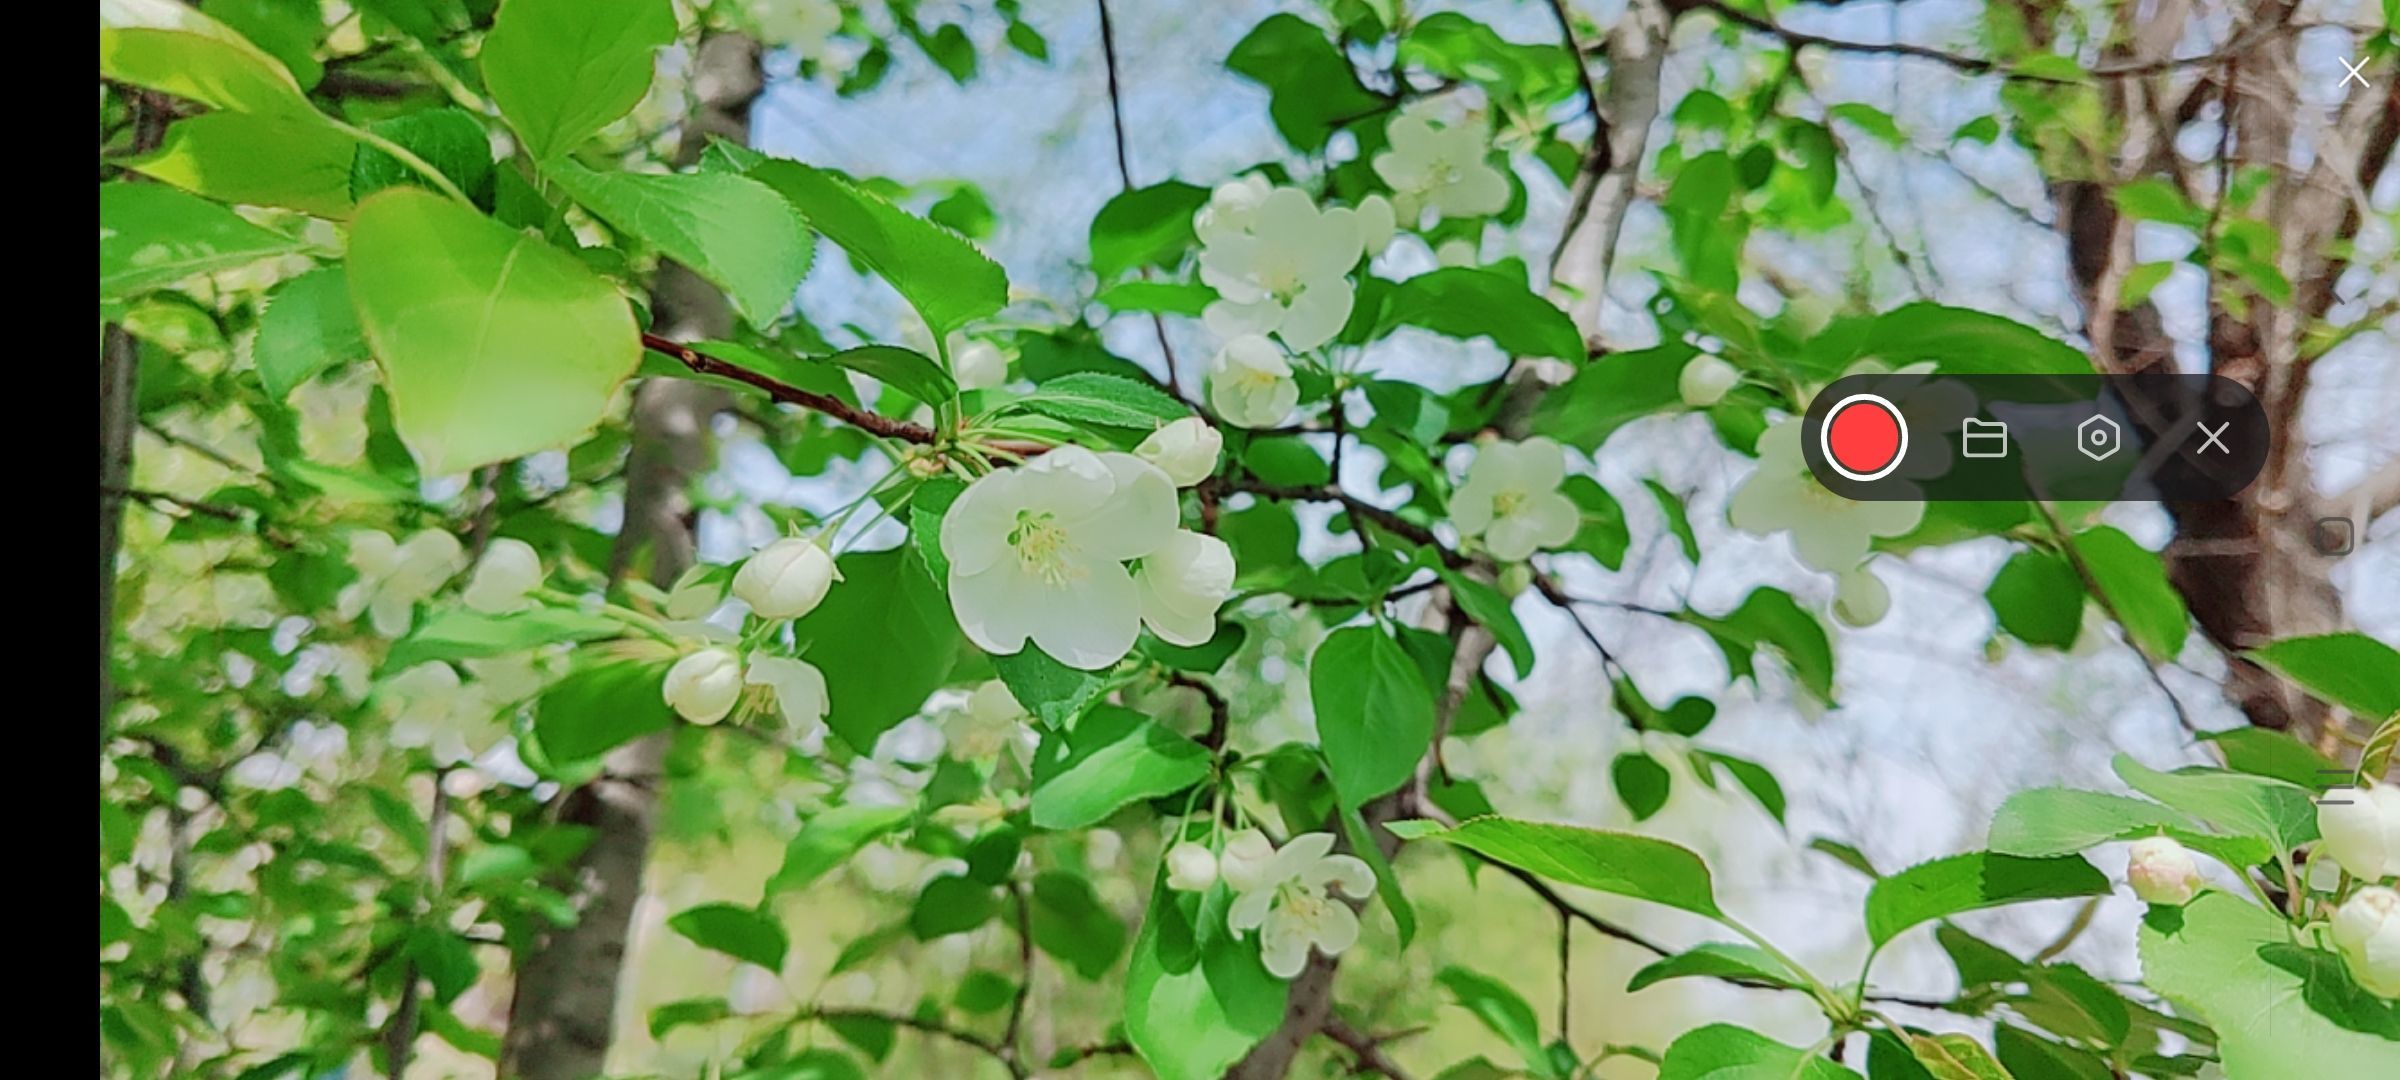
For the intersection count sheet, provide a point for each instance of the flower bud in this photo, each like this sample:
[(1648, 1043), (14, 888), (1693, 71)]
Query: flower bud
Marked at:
[(978, 365), (786, 579), (704, 686), (1244, 862), (1185, 450), (1376, 221), (1705, 381), (1861, 599), (2367, 931), (1191, 867), (2162, 872), (509, 570), (2361, 830)]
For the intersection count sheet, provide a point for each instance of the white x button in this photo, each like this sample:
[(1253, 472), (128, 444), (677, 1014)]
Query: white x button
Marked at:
[(2211, 438), (2355, 71)]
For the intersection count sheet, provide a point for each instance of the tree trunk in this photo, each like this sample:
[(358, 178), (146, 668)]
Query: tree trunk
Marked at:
[(120, 417), (564, 1012)]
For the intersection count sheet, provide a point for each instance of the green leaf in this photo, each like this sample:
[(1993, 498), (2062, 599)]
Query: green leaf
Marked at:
[(1604, 534), (1770, 618), (1387, 883), (152, 236), (1869, 119), (1972, 882), (1754, 777), (600, 707), (1956, 1057), (1486, 605), (1196, 1000), (493, 344), (1642, 783), (560, 70), (2062, 821), (906, 370), (445, 959), (1374, 712), (739, 932), (830, 839), (1053, 692), (1088, 397), (1163, 297), (1069, 922), (1982, 129), (2133, 582), (2029, 1055), (1641, 867), (731, 230), (885, 597), (167, 46), (463, 634), (686, 1012), (1678, 522), (2141, 281), (1610, 392), (2347, 669), (952, 904), (1112, 757), (2281, 814), (1471, 302), (939, 272), (1501, 1010), (308, 327), (1311, 87), (2279, 1008), (2038, 599), (1727, 1052), (984, 992), (259, 159), (1962, 341), (1150, 226), (2158, 200), (2261, 752), (1717, 960), (450, 140)]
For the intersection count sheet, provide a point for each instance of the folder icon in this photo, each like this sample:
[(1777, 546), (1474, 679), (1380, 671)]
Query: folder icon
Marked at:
[(1985, 438)]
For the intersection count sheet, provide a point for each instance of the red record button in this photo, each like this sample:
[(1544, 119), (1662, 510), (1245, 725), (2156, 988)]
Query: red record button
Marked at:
[(1863, 437)]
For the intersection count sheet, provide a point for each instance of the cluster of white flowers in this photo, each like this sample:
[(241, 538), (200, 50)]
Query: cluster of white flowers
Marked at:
[(806, 27), (1280, 263), (452, 719), (1438, 164), (1511, 499), (2360, 831), (1828, 531), (991, 722), (504, 580), (394, 576), (786, 579), (306, 749), (1039, 553), (1285, 894)]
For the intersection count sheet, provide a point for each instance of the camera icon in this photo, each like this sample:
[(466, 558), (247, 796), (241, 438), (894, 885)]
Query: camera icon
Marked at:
[(2098, 438)]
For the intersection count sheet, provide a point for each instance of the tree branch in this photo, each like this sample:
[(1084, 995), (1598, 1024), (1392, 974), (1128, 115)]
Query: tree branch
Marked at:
[(1974, 65), (1366, 1048), (785, 393), (935, 1028), (1116, 118)]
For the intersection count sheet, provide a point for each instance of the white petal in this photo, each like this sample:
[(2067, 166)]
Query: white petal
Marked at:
[(1138, 516), (975, 528), (1316, 315), (994, 607), (1249, 909), (1095, 622), (1283, 948), (1336, 929)]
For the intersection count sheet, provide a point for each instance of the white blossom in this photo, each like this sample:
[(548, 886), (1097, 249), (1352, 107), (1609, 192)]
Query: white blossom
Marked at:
[(2160, 871), (1186, 450), (2361, 829), (1037, 553), (1279, 267), (704, 686), (432, 708), (1250, 383), (1244, 861), (978, 364), (805, 27), (393, 576), (799, 690), (2367, 931), (1861, 599), (1292, 906), (1182, 584), (1440, 165), (1828, 531), (990, 722), (786, 579), (508, 571), (1511, 499)]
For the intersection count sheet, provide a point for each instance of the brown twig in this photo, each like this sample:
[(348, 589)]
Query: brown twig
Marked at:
[(1116, 118), (1365, 1047), (785, 393)]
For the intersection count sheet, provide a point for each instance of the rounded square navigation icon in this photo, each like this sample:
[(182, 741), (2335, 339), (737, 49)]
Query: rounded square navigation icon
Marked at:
[(1994, 438)]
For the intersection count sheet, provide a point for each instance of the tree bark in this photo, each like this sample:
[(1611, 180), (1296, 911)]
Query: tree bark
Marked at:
[(120, 417), (563, 1017)]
